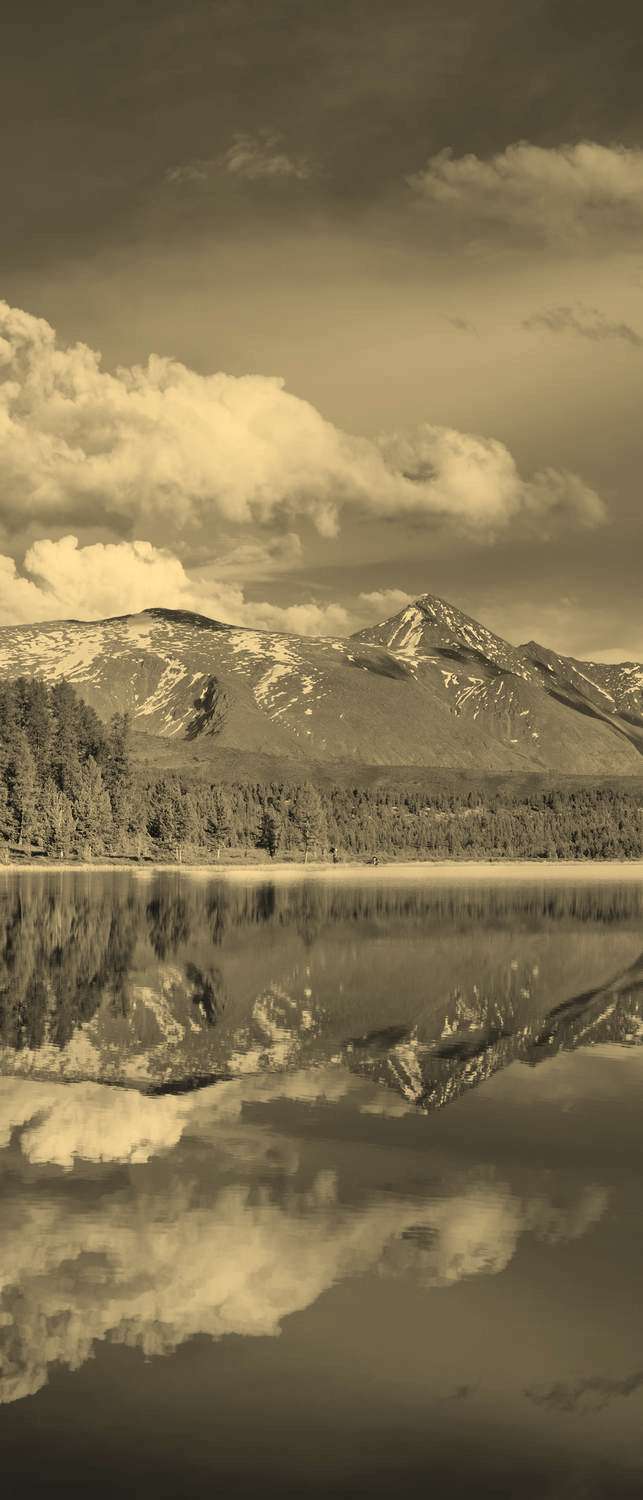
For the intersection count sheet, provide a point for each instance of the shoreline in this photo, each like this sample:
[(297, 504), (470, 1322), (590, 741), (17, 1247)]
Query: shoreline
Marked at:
[(608, 869)]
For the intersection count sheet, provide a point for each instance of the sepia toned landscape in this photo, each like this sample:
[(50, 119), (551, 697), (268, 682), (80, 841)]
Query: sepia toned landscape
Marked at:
[(321, 749)]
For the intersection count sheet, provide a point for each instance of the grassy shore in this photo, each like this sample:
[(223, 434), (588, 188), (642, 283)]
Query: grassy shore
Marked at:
[(457, 869)]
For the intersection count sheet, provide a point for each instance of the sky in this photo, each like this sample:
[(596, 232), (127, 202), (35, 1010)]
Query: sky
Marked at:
[(313, 308)]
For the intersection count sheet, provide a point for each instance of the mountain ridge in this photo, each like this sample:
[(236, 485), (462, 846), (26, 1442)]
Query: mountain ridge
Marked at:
[(430, 686)]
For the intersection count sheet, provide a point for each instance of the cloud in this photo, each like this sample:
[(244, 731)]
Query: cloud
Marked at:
[(587, 322), (592, 1394), (301, 619), (258, 559), (449, 464), (190, 172), (477, 1232), (182, 1248), (65, 580), (382, 603), (87, 1120), (61, 1124), (558, 195), (62, 580), (161, 445), (568, 625), (262, 156)]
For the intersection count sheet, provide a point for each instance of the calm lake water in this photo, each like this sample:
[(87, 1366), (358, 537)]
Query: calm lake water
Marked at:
[(320, 1189)]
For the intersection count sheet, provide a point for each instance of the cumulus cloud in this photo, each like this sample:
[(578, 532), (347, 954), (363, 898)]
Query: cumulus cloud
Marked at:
[(301, 619), (263, 156), (449, 464), (160, 444), (62, 580), (382, 603), (61, 1124), (587, 322), (182, 1249), (477, 1232), (558, 195)]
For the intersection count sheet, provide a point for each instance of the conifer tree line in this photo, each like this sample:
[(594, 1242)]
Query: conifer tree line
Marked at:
[(65, 779), (69, 786)]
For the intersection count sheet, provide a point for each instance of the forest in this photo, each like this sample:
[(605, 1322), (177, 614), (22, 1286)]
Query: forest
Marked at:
[(69, 786)]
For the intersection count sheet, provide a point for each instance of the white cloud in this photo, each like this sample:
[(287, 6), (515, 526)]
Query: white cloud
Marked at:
[(161, 444), (263, 155), (382, 603), (61, 1124), (301, 619), (561, 194), (62, 580), (91, 582), (257, 156), (179, 1252), (88, 1120), (448, 465)]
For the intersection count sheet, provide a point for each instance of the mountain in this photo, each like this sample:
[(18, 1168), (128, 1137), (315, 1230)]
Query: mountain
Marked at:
[(429, 687), (168, 987), (474, 1046), (431, 624), (615, 692)]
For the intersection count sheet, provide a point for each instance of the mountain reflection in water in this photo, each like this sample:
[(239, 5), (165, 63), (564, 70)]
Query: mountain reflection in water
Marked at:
[(349, 1285), (173, 983)]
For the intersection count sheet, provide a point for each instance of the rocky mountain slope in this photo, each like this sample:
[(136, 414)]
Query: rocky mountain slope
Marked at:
[(429, 687)]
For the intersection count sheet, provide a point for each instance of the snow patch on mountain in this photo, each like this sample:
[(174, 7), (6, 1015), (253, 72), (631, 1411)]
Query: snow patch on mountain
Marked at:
[(392, 694)]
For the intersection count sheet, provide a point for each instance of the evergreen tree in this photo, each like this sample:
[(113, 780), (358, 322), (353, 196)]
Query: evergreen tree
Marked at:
[(64, 765), (37, 721), (117, 772), (6, 822), (59, 827), (270, 832), (163, 821), (92, 809), (22, 788), (219, 819), (309, 818)]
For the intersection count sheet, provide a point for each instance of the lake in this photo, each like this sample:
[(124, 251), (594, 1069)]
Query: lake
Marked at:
[(317, 1187)]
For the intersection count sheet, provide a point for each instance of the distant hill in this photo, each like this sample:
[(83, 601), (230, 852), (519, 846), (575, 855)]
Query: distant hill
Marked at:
[(429, 688)]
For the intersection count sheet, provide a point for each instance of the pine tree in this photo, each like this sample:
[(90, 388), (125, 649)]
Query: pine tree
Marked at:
[(270, 832), (219, 819), (22, 787), (37, 720), (309, 818), (163, 821), (117, 773), (64, 764), (6, 823), (92, 808), (59, 827)]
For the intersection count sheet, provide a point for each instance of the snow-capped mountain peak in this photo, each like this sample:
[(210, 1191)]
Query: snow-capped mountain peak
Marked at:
[(429, 687)]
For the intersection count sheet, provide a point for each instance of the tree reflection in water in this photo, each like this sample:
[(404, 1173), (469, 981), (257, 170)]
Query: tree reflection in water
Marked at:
[(426, 990)]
